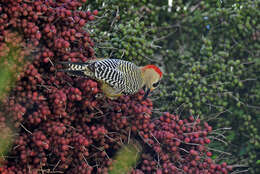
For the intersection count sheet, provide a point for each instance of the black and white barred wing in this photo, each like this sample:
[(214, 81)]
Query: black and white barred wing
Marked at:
[(106, 71)]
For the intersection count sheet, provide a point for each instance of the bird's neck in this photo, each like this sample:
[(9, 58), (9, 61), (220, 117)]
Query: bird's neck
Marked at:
[(146, 75)]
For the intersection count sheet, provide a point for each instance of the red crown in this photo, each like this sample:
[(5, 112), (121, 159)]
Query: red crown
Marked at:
[(155, 68)]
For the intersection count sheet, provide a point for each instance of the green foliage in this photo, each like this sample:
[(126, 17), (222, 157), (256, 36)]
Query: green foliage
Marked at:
[(214, 73), (125, 159), (10, 62), (209, 51), (6, 140), (120, 31)]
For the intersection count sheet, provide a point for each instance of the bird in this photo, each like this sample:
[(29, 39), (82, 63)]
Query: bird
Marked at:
[(117, 77)]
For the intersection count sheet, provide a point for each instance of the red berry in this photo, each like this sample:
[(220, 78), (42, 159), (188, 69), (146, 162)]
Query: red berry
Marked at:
[(91, 18), (95, 12), (207, 140), (82, 22), (209, 154)]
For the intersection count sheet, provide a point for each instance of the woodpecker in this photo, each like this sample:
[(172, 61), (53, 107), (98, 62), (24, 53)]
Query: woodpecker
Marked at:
[(117, 77)]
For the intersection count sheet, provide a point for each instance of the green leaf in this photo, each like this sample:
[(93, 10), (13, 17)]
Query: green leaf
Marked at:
[(125, 159)]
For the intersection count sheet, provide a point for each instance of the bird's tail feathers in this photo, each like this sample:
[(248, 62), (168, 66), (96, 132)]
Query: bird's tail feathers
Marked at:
[(76, 66), (78, 69)]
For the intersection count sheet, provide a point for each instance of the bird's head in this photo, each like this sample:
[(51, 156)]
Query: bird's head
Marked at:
[(152, 76)]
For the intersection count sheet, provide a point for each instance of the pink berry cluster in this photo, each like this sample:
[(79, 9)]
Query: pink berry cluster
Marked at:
[(65, 125)]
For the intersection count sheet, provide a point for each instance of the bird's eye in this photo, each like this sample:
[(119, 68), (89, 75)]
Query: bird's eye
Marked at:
[(156, 84)]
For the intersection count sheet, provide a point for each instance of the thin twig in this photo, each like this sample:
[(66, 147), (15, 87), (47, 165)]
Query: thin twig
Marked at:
[(25, 128), (129, 136), (242, 171), (183, 150), (155, 139), (219, 151), (85, 160), (56, 165), (220, 140)]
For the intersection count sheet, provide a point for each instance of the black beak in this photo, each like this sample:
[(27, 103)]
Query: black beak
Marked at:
[(146, 93)]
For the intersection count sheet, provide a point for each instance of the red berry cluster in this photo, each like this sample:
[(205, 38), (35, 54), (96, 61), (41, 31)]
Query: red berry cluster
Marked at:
[(65, 124), (181, 147)]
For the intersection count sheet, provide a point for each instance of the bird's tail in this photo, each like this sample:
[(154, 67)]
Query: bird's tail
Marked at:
[(74, 68)]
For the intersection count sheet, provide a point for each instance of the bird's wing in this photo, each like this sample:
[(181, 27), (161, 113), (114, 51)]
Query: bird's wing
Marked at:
[(107, 72), (109, 75)]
